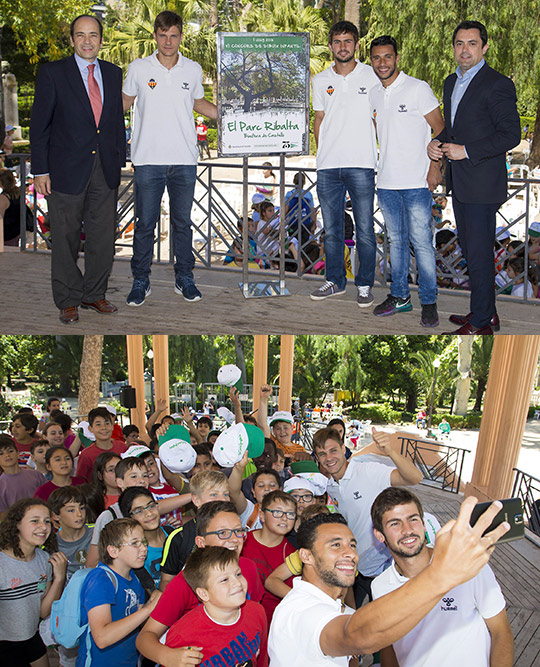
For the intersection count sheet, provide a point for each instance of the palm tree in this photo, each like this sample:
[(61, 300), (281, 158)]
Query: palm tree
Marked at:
[(90, 372)]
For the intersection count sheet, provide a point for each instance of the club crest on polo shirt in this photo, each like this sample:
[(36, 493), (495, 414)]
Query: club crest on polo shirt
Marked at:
[(402, 108), (448, 605), (362, 90), (330, 89), (152, 83)]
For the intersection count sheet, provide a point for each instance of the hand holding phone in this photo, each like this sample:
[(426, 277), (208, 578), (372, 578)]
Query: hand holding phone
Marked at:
[(511, 512)]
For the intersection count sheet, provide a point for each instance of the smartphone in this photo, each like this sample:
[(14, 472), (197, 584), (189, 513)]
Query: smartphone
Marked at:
[(511, 511)]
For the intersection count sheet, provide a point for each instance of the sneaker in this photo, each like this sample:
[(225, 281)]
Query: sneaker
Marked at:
[(392, 305), (324, 291), (430, 316), (364, 298), (187, 288), (139, 292)]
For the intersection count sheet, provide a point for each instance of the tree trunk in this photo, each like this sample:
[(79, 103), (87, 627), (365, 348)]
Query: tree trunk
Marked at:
[(90, 372), (534, 158), (352, 11), (463, 384), (412, 397), (480, 389)]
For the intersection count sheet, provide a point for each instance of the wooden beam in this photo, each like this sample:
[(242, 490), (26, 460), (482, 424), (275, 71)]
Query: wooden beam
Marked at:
[(160, 345), (260, 367), (286, 366), (136, 379)]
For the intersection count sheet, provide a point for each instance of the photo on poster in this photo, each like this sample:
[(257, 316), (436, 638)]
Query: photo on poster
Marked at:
[(263, 93)]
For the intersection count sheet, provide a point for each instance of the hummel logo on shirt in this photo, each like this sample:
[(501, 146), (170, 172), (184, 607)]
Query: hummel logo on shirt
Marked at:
[(185, 85), (357, 495), (402, 108), (448, 603), (362, 91)]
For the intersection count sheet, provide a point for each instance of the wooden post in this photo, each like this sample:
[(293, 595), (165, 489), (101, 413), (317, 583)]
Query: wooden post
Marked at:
[(511, 374), (160, 345), (136, 379), (260, 367), (286, 365)]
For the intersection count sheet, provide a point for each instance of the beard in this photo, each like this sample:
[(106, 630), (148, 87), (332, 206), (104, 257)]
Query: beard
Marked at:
[(397, 551), (346, 59), (332, 577)]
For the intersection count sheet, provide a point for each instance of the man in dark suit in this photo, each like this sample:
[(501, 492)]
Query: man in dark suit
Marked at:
[(481, 124), (78, 148)]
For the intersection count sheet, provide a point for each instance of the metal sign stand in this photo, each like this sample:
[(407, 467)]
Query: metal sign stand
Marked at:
[(263, 288)]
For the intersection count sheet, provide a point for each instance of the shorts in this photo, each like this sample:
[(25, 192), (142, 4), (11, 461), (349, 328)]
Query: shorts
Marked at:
[(21, 654)]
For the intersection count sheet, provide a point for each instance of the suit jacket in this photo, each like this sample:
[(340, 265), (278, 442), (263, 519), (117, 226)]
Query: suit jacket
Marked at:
[(487, 124), (63, 133)]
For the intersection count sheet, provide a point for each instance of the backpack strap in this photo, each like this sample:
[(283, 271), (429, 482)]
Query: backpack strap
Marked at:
[(253, 517), (114, 515)]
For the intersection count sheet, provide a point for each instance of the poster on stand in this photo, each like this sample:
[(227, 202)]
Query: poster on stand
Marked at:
[(263, 93)]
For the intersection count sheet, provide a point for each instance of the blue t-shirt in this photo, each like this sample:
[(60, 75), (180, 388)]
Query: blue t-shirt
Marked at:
[(154, 556), (98, 589)]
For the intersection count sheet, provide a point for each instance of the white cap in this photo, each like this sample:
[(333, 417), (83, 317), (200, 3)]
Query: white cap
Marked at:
[(294, 483), (135, 450), (231, 444), (226, 414)]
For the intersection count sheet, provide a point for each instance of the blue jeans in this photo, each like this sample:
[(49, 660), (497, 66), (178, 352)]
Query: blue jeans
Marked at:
[(332, 184), (407, 216), (150, 182)]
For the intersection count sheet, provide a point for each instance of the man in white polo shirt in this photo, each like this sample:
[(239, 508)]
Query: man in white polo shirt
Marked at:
[(405, 110), (468, 625), (346, 159), (168, 87)]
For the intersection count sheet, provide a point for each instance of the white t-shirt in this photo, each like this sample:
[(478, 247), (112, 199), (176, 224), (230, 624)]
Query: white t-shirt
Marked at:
[(297, 623), (354, 495), (103, 519), (163, 128), (346, 134), (244, 517), (403, 131), (453, 632)]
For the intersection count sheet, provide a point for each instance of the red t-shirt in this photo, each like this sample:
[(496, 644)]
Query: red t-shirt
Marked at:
[(267, 559), (178, 598), (167, 491), (88, 457), (45, 490), (202, 132), (242, 644)]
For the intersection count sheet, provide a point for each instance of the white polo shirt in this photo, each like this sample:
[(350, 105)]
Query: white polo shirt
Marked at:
[(454, 631), (354, 495), (297, 623), (346, 134), (163, 127), (403, 131)]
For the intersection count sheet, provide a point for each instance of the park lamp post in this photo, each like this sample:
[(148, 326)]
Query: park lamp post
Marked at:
[(436, 364)]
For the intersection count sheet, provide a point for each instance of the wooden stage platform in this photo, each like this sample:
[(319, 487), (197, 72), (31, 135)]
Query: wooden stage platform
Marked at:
[(26, 306)]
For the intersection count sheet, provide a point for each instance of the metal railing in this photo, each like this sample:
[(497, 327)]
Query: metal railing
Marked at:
[(217, 218), (527, 488), (446, 472)]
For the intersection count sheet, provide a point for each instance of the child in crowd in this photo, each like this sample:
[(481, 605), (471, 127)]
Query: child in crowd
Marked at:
[(24, 433), (31, 578), (172, 487), (53, 403), (524, 280), (204, 426), (38, 449), (218, 524), (68, 511), (54, 434), (280, 428), (227, 628), (138, 503), (59, 463), (268, 547), (131, 434), (70, 439), (203, 461), (16, 482), (112, 603), (101, 424)]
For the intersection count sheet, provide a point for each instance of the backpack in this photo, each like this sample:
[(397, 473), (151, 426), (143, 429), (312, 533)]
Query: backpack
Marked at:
[(66, 612), (292, 215)]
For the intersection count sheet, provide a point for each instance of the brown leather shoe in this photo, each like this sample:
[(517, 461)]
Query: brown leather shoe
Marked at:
[(69, 315), (102, 306), (468, 330), (460, 320)]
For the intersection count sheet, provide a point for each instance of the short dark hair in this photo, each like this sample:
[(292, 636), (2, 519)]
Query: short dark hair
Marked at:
[(266, 471), (113, 535), (167, 19), (472, 25), (64, 495), (390, 498), (205, 420), (202, 449), (342, 27), (56, 448), (277, 496), (208, 511), (324, 434), (85, 16), (265, 205), (39, 443), (28, 420), (62, 419), (7, 442), (249, 419), (383, 40), (51, 399), (129, 429), (128, 496), (100, 412), (202, 561), (125, 465), (307, 532)]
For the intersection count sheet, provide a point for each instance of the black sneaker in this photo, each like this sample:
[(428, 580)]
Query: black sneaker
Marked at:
[(430, 317), (392, 305)]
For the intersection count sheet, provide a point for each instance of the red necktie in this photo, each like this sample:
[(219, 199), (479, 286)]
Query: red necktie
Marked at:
[(94, 93)]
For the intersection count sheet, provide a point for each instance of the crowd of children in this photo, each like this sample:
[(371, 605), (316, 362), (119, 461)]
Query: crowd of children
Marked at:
[(113, 553)]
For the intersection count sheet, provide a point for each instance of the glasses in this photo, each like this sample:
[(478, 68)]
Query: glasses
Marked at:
[(149, 508), (306, 498), (137, 544), (226, 533), (278, 514)]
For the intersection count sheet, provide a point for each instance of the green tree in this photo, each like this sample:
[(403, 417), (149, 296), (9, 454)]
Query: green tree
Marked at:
[(481, 359), (349, 372)]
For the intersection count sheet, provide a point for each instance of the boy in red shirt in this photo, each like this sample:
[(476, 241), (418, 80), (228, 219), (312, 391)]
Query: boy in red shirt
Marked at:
[(101, 424), (226, 628)]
